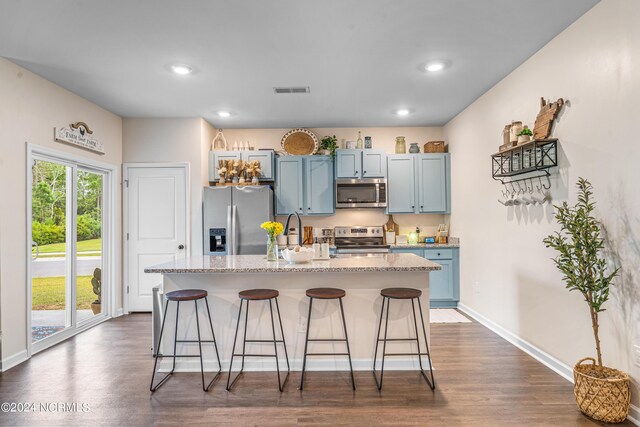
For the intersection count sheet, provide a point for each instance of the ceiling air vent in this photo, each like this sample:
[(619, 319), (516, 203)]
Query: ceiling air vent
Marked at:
[(298, 89)]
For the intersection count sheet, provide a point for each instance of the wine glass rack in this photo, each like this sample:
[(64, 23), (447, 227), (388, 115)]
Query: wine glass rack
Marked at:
[(534, 156)]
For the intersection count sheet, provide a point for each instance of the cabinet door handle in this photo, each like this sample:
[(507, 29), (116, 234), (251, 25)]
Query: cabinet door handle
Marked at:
[(421, 207), (364, 172), (356, 173)]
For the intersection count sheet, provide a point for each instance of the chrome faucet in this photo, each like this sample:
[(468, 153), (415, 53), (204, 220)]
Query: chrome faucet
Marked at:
[(286, 227)]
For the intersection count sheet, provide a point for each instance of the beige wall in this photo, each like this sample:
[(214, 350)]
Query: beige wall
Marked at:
[(173, 140), (30, 107), (382, 138), (507, 275)]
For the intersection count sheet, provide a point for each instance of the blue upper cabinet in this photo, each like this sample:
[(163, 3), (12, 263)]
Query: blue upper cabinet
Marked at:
[(348, 163), (264, 156), (401, 172), (214, 157), (374, 164), (433, 184), (356, 164), (305, 184), (289, 186), (319, 186), (418, 183)]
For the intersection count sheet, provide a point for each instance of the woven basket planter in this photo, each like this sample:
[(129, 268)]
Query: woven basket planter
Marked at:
[(601, 393)]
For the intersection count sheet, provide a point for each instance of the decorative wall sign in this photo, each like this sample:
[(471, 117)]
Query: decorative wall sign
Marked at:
[(78, 134)]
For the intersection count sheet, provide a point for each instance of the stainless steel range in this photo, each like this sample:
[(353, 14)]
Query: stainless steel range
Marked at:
[(360, 240)]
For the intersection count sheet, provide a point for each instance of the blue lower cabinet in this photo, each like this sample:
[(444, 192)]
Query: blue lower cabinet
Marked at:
[(444, 285)]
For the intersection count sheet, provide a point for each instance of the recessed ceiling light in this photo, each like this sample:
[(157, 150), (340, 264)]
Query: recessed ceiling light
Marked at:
[(181, 69), (402, 112), (434, 66), (224, 114)]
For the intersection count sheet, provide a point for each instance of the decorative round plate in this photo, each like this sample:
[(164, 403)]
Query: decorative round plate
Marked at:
[(299, 142)]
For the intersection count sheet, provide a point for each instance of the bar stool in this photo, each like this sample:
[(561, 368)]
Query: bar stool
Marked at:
[(178, 296), (258, 295), (326, 293), (402, 294)]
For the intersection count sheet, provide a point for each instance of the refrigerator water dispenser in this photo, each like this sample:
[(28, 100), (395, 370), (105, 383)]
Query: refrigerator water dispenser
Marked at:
[(217, 240)]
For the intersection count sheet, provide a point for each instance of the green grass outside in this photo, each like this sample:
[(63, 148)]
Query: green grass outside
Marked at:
[(48, 293), (82, 246)]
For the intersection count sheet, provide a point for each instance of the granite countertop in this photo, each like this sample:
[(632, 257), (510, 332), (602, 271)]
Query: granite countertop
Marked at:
[(259, 264)]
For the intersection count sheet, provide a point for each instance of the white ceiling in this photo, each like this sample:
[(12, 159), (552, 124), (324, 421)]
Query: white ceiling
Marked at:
[(360, 58)]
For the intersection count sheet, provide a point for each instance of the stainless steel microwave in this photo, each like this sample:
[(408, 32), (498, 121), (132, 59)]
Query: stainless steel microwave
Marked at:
[(361, 193)]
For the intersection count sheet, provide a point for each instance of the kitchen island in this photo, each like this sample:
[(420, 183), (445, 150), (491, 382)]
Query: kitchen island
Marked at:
[(362, 277)]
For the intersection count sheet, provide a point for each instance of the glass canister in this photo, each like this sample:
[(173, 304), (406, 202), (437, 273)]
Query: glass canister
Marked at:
[(401, 146), (413, 148)]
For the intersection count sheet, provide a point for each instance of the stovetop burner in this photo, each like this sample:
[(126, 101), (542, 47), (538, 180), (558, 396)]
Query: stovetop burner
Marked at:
[(360, 239)]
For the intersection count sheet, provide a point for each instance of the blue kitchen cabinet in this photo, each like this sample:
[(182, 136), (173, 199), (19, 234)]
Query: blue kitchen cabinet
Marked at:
[(264, 156), (305, 184), (357, 164), (401, 194), (433, 185), (444, 285), (319, 185), (348, 163), (289, 185), (374, 164), (418, 183)]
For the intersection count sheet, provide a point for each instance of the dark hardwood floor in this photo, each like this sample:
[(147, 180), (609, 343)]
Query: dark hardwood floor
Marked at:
[(481, 380)]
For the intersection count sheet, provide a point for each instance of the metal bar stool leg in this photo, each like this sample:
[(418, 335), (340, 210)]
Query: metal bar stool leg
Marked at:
[(286, 356), (306, 343), (244, 339), (384, 342), (432, 383), (375, 353), (158, 353), (346, 338), (215, 343), (233, 351), (275, 348), (195, 303)]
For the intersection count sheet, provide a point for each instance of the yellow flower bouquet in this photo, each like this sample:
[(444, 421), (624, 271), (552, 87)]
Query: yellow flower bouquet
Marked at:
[(273, 228)]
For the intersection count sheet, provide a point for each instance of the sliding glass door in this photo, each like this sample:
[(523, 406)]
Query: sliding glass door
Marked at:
[(67, 233)]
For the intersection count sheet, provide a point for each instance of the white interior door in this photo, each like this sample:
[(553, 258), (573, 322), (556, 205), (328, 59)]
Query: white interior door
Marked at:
[(155, 226)]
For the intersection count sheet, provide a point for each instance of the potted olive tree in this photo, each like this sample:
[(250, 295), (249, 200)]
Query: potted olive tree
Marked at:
[(96, 282), (602, 393)]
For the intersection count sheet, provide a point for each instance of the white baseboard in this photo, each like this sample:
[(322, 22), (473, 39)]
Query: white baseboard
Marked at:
[(119, 312), (13, 360), (546, 359), (313, 364)]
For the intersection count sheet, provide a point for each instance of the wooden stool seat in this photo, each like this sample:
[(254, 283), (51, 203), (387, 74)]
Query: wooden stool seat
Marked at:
[(186, 295), (401, 293), (258, 294), (326, 293)]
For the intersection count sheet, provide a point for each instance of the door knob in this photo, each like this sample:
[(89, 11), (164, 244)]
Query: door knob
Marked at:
[(180, 246)]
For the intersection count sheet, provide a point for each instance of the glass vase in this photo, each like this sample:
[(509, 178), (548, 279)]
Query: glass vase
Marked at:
[(272, 249)]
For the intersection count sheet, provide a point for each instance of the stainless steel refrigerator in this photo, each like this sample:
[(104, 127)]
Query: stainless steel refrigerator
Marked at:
[(232, 218)]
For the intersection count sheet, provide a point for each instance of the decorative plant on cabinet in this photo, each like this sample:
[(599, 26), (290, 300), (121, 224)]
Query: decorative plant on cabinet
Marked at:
[(601, 392), (329, 145)]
